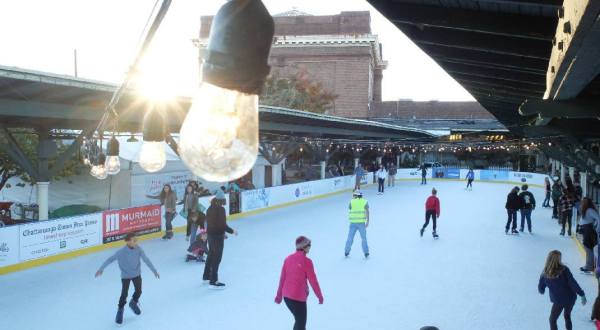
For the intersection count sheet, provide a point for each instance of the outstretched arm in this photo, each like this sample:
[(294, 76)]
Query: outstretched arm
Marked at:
[(105, 264), (149, 263)]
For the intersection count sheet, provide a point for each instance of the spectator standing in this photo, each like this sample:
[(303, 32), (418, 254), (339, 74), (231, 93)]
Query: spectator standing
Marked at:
[(359, 172), (381, 176), (392, 170), (168, 199)]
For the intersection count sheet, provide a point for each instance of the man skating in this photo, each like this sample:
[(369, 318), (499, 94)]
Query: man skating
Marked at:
[(128, 259), (359, 221), (432, 210), (359, 172), (423, 174), (527, 206), (381, 176), (470, 178)]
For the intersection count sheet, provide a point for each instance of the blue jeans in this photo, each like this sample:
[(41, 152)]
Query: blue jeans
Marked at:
[(526, 214), (362, 230), (193, 233)]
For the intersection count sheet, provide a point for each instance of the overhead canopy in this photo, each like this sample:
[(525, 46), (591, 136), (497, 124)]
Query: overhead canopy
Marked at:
[(507, 51), (37, 99)]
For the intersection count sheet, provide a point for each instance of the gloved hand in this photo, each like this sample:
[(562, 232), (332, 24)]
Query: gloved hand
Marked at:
[(583, 300), (278, 300), (321, 301)]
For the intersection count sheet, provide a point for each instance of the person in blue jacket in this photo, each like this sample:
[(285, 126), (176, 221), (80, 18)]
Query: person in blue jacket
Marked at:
[(563, 289), (470, 177)]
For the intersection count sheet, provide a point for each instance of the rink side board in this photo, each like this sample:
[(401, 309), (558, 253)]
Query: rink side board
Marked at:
[(403, 175)]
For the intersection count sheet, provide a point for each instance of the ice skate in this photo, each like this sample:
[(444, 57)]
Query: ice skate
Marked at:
[(217, 285), (119, 317), (190, 257), (135, 308), (515, 232), (422, 231), (435, 235), (366, 256)]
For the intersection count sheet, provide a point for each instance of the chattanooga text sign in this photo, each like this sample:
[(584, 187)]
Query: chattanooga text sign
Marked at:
[(46, 238), (140, 220)]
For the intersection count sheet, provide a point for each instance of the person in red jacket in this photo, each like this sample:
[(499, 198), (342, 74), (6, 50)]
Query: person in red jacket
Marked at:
[(432, 210), (297, 268)]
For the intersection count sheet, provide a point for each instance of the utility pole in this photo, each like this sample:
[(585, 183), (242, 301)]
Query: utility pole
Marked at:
[(75, 61)]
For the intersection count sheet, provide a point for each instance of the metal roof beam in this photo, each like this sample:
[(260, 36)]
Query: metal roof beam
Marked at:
[(476, 41), (468, 55), (528, 27), (490, 66), (575, 59), (560, 109), (553, 3), (518, 77), (498, 86)]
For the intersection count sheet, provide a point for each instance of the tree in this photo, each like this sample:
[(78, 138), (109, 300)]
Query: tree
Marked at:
[(28, 141), (297, 92)]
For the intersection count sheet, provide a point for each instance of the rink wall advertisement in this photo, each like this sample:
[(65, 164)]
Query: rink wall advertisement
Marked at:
[(9, 246), (46, 238), (140, 220)]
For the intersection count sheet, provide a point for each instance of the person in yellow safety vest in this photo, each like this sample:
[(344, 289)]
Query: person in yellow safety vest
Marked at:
[(359, 221)]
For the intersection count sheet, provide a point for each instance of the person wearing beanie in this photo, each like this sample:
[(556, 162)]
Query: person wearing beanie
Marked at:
[(216, 227), (359, 221), (527, 206), (432, 210), (293, 289)]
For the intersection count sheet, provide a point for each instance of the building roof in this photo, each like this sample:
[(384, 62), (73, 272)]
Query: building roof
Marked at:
[(429, 110), (507, 51), (38, 99)]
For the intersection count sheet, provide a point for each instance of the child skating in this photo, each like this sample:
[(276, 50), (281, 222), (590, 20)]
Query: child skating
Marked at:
[(198, 247), (128, 259), (432, 210), (470, 177)]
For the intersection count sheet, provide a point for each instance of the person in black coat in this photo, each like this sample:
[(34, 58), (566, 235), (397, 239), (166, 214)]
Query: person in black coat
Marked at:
[(527, 206), (216, 227), (513, 203), (563, 289)]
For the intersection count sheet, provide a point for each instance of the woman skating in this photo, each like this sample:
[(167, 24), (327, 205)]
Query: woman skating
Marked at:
[(168, 199), (293, 289), (563, 289), (513, 203), (548, 191), (589, 221), (190, 205), (567, 201)]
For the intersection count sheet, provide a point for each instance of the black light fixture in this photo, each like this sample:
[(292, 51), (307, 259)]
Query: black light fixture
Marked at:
[(113, 163), (152, 155)]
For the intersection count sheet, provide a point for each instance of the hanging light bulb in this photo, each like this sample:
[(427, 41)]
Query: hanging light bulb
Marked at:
[(152, 156), (99, 170), (113, 163), (219, 137)]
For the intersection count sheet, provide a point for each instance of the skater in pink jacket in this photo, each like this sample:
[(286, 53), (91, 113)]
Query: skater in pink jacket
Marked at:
[(297, 269)]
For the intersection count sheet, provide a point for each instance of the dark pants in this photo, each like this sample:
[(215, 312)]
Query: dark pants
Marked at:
[(596, 308), (526, 215), (555, 313), (188, 228), (430, 214), (512, 217), (555, 208), (169, 216), (215, 253), (381, 181), (137, 284), (547, 200), (567, 217), (298, 309), (423, 179), (470, 183), (357, 184)]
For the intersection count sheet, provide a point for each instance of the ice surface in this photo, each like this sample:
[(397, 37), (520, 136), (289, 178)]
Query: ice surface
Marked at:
[(473, 277)]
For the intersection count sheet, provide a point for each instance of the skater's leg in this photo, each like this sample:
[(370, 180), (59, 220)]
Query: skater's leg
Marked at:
[(589, 258), (433, 217), (522, 220), (193, 230), (137, 285), (351, 232), (567, 316), (428, 215), (217, 256), (382, 185), (124, 292), (528, 218), (362, 230), (209, 258), (188, 226), (554, 314), (393, 180), (298, 309), (569, 220), (508, 222)]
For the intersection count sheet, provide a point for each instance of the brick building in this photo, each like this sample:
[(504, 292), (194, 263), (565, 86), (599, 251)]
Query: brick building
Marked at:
[(339, 51)]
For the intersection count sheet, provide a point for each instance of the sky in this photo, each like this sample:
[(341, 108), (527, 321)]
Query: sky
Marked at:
[(42, 35)]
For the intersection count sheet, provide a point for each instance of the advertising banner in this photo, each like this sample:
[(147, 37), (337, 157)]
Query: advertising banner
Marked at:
[(529, 178), (493, 175), (408, 173), (46, 238), (140, 220), (153, 184), (9, 245)]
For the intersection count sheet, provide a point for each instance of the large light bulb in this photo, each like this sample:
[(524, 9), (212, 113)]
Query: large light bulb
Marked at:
[(152, 156), (219, 137), (102, 173), (94, 171), (112, 165)]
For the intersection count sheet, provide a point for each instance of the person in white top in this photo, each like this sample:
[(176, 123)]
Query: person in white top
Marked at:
[(381, 175)]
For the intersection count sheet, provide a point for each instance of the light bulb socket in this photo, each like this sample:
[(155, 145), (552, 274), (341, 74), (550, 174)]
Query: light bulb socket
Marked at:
[(155, 128), (239, 45), (112, 147)]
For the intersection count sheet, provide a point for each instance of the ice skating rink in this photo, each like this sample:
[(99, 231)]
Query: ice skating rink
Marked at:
[(473, 277)]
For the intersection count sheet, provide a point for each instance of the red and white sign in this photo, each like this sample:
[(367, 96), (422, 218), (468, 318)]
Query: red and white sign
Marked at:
[(140, 220)]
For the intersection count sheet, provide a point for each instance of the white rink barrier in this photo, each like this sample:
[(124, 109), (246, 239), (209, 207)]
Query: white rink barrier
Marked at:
[(480, 175), (274, 196)]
